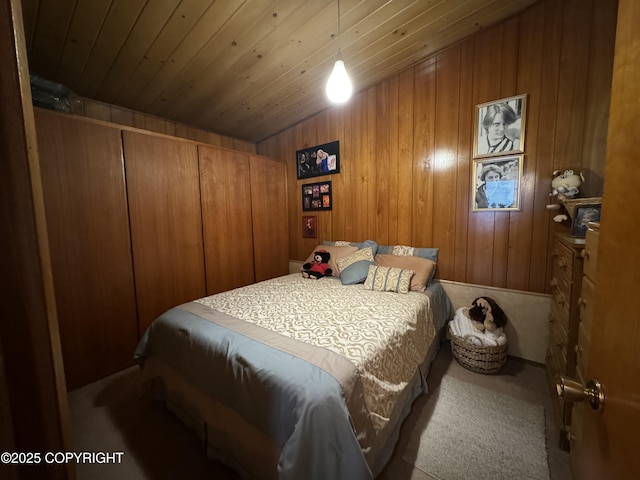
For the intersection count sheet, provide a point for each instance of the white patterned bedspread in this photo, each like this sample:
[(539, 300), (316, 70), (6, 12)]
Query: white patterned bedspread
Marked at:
[(386, 335)]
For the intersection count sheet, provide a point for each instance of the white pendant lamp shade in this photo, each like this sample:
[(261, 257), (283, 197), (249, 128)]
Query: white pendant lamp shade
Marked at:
[(339, 87)]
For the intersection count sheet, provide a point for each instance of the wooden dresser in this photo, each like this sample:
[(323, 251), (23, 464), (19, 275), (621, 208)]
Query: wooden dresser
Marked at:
[(585, 303), (567, 267)]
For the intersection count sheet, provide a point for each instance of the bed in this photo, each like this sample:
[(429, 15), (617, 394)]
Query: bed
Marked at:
[(296, 378)]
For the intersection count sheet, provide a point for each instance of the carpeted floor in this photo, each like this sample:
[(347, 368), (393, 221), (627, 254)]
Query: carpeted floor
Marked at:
[(467, 431), (107, 416)]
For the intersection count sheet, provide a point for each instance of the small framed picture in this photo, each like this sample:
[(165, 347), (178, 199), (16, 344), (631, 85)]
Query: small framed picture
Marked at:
[(309, 226), (496, 183), (499, 127), (319, 160), (316, 196), (583, 214)]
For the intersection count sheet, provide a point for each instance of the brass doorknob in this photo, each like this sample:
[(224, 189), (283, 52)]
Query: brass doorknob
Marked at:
[(571, 390)]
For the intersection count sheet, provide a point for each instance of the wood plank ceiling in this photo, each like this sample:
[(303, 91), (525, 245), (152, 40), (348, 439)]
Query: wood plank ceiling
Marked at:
[(243, 68)]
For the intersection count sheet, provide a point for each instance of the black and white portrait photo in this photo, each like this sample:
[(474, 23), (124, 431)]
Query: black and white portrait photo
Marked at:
[(496, 183), (500, 127)]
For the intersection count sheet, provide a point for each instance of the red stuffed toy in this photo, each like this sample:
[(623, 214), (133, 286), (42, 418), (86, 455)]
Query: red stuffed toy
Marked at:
[(318, 267)]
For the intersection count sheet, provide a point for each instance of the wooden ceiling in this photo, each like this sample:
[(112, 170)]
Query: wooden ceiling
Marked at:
[(244, 68)]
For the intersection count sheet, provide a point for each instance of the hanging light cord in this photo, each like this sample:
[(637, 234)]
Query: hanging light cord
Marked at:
[(339, 35)]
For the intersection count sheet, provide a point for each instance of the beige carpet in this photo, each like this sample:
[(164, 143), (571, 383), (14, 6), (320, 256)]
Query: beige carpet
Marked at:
[(108, 416), (466, 431)]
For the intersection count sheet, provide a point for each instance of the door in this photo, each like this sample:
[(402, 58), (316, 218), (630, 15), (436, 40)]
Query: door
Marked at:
[(270, 217), (163, 189), (88, 227), (611, 439), (226, 218)]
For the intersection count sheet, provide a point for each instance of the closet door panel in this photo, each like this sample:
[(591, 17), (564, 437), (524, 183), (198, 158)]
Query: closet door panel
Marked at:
[(87, 221), (166, 225), (226, 214), (270, 217)]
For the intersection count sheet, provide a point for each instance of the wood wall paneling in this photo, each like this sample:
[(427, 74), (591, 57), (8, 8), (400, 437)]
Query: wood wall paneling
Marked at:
[(131, 118), (269, 216), (447, 113), (226, 216), (528, 245), (88, 225), (463, 162), (166, 224), (406, 144)]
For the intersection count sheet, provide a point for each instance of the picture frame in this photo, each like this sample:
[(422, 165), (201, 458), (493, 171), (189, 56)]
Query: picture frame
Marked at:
[(317, 196), (319, 160), (582, 215), (500, 127), (496, 183), (309, 226)]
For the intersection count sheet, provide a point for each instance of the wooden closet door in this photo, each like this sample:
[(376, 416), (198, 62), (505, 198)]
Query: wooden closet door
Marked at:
[(226, 217), (88, 227), (270, 217), (166, 225)]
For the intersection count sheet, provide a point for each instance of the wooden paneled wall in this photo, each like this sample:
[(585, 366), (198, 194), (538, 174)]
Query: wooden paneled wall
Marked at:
[(122, 116), (406, 144)]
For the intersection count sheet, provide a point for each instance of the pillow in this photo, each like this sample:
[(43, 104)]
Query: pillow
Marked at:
[(402, 250), (365, 244), (335, 252), (430, 253), (388, 279), (341, 243), (370, 243), (423, 268), (354, 267)]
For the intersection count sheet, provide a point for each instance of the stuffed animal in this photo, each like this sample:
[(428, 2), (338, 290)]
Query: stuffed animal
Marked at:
[(318, 267), (564, 185), (487, 316)]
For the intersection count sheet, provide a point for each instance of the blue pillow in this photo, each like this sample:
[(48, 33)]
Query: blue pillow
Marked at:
[(356, 272), (359, 245), (429, 253)]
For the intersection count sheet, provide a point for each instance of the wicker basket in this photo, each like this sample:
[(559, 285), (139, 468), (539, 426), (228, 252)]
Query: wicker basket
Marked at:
[(479, 359)]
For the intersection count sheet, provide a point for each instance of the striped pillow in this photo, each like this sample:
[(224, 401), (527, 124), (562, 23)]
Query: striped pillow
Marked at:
[(388, 279), (364, 254)]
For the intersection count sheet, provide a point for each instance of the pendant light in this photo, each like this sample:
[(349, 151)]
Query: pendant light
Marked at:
[(339, 87)]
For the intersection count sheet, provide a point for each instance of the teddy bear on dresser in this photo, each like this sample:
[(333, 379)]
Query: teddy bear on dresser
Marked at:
[(318, 267), (487, 316)]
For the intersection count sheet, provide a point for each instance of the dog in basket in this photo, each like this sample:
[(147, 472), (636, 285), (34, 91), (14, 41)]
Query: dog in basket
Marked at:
[(487, 316)]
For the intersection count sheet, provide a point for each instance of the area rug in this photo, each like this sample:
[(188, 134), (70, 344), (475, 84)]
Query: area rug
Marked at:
[(469, 432)]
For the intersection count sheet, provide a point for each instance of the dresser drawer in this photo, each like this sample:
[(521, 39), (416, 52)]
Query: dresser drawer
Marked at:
[(560, 308), (562, 270), (582, 352), (558, 345), (590, 254), (587, 296), (575, 435)]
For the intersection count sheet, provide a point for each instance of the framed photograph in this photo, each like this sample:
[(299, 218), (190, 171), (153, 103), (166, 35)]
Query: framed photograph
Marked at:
[(316, 196), (496, 183), (583, 214), (309, 226), (499, 127), (319, 160)]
